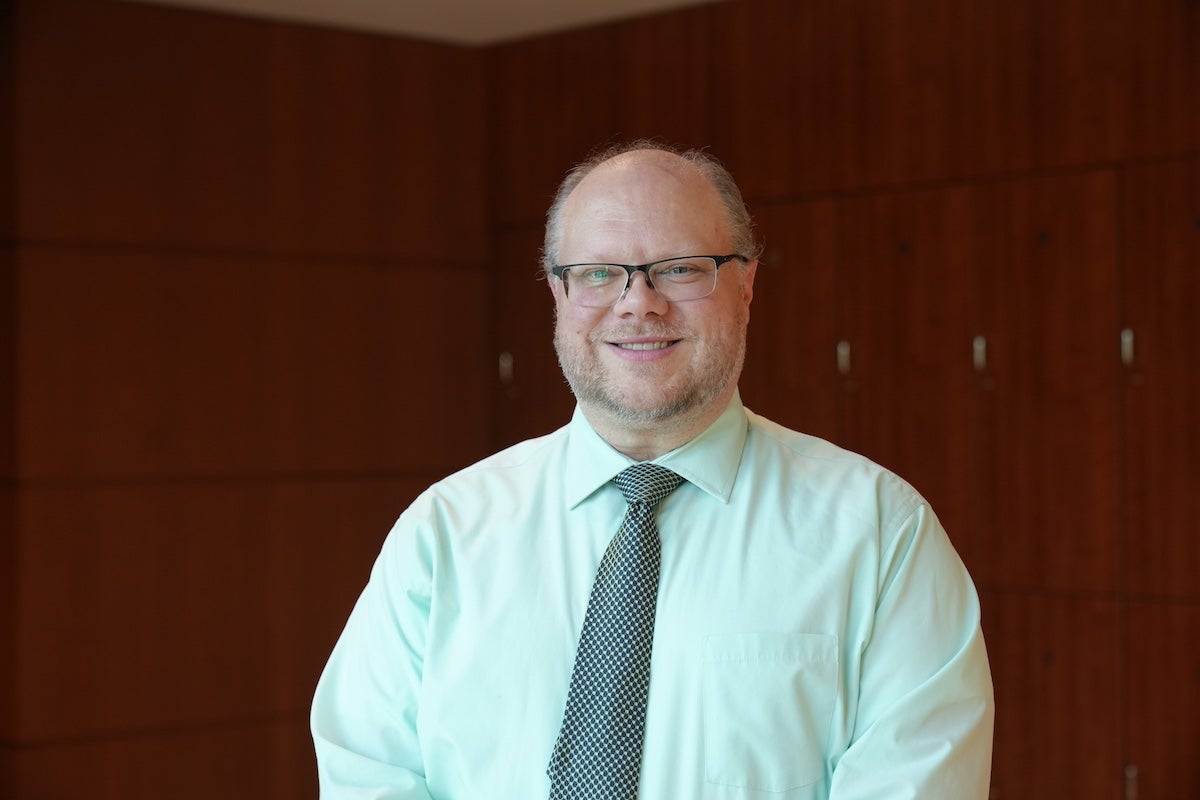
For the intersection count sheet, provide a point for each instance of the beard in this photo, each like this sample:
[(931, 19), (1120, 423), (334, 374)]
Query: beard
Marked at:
[(635, 394)]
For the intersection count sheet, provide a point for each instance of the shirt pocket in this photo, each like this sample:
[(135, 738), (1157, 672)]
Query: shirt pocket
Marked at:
[(768, 701)]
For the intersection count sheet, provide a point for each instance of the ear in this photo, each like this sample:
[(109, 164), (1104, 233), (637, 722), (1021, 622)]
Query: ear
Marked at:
[(748, 281)]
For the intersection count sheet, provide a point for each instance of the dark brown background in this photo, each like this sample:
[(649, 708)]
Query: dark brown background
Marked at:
[(256, 279)]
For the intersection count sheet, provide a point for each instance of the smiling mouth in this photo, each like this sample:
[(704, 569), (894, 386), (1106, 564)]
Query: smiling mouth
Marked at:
[(643, 345)]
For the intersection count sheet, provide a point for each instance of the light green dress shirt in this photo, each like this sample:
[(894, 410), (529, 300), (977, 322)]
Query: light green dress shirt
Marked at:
[(817, 635)]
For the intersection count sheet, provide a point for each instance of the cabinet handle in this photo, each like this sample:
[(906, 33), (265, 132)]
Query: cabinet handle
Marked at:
[(843, 357), (979, 353), (1131, 782), (506, 368), (1127, 347)]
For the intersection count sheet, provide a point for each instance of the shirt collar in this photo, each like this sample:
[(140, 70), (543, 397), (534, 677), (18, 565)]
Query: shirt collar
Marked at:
[(710, 461)]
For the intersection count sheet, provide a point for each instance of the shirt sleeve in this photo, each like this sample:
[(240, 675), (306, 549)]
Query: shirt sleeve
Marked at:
[(925, 708), (364, 712)]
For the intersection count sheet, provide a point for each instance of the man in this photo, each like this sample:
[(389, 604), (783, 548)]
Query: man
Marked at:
[(806, 629)]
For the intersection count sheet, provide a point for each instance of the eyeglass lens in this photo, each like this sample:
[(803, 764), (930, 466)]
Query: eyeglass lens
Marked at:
[(677, 279)]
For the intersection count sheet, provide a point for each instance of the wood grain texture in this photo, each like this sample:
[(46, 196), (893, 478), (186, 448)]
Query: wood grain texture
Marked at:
[(10, 615), (140, 364), (661, 70), (8, 131), (1046, 301), (834, 96), (8, 362), (790, 374), (244, 761), (1055, 665), (1162, 684), (212, 131), (1161, 387), (550, 102), (185, 605), (906, 263), (535, 400)]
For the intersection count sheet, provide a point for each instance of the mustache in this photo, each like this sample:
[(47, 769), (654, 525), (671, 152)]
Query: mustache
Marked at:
[(647, 331)]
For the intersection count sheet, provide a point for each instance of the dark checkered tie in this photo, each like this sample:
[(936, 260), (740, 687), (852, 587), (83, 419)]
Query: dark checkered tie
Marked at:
[(598, 755)]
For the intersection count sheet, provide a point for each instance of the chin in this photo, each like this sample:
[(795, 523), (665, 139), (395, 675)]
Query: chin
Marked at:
[(653, 408), (645, 398)]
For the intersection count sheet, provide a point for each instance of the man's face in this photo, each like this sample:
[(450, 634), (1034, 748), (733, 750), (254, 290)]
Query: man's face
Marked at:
[(646, 361)]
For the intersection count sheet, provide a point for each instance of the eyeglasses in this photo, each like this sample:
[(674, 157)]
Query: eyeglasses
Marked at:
[(675, 279)]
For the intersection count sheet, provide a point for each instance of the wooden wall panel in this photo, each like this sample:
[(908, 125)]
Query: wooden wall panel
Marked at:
[(1161, 387), (140, 363), (213, 131), (660, 68), (8, 132), (246, 761), (181, 606), (903, 306), (826, 96), (8, 361), (1161, 65), (550, 104), (790, 374), (10, 576), (781, 94), (8, 772), (1079, 95), (913, 73), (535, 398), (1055, 665), (1163, 686), (1048, 511), (10, 568), (8, 219), (241, 343), (554, 99)]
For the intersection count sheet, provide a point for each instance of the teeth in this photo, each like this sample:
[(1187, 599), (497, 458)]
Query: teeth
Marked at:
[(644, 345)]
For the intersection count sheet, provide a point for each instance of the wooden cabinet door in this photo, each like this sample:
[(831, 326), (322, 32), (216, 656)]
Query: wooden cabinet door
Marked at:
[(1162, 686), (903, 287), (548, 106), (789, 374), (1160, 394), (1161, 388), (531, 397), (1047, 508), (1055, 665)]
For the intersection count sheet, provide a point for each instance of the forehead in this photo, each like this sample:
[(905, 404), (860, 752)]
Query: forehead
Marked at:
[(640, 207)]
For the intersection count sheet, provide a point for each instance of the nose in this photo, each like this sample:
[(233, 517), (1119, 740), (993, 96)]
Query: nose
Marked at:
[(640, 298)]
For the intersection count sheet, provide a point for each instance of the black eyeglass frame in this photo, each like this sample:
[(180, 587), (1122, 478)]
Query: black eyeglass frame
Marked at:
[(720, 261)]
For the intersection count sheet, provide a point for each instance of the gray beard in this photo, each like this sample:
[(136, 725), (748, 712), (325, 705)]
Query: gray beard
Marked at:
[(593, 388)]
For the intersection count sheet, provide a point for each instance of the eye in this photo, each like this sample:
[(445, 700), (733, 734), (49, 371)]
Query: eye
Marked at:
[(681, 271), (679, 268), (598, 273)]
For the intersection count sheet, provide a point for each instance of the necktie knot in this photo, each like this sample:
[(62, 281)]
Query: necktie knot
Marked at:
[(646, 483)]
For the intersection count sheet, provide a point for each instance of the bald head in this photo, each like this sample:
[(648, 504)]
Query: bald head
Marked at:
[(639, 207), (685, 166)]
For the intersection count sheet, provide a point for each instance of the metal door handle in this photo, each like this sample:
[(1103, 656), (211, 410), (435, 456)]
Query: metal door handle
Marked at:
[(1127, 347), (979, 353)]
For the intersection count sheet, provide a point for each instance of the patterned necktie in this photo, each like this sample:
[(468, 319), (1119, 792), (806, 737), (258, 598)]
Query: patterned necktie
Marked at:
[(598, 755)]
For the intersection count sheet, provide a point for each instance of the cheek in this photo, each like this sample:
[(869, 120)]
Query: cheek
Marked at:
[(575, 322)]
